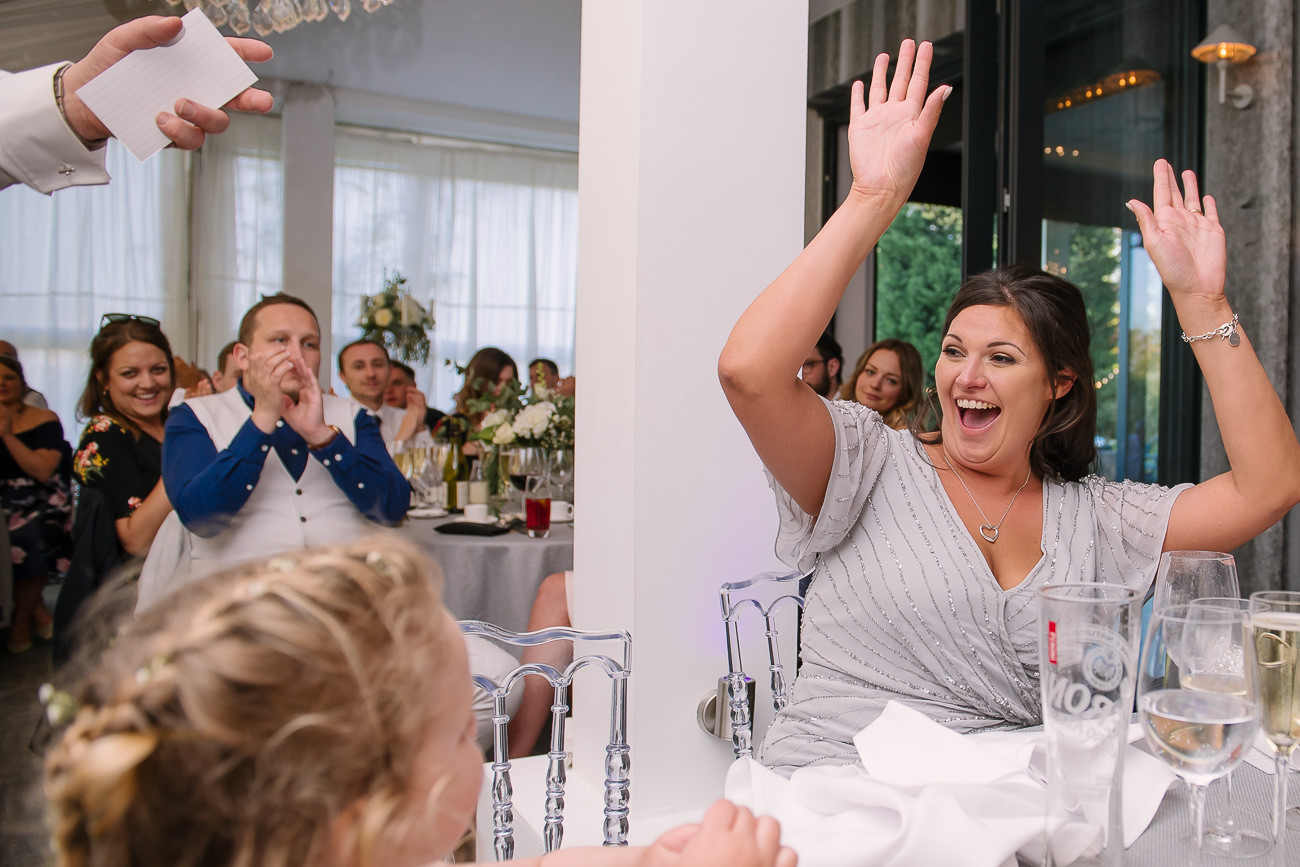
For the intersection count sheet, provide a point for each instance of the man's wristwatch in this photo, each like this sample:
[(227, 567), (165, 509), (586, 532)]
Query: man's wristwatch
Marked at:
[(334, 431)]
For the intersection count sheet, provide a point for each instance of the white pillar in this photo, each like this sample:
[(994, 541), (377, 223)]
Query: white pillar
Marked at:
[(307, 131), (691, 184)]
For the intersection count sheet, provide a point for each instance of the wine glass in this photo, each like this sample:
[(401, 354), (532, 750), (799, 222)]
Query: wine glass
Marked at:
[(1201, 735), (1186, 575), (1275, 628), (1228, 835)]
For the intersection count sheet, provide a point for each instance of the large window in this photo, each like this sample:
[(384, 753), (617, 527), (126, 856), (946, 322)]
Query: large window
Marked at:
[(67, 259), (487, 235)]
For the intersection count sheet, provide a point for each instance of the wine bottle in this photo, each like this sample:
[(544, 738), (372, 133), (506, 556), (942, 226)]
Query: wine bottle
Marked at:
[(455, 474)]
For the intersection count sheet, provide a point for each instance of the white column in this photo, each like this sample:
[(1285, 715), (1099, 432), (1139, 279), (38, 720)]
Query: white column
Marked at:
[(307, 130), (691, 185)]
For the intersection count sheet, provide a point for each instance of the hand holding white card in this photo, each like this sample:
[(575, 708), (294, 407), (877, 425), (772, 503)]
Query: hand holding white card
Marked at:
[(198, 65)]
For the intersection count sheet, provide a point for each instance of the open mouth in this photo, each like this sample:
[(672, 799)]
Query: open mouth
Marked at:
[(977, 414)]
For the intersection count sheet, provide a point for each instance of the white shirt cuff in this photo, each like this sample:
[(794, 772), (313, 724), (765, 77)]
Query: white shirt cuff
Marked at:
[(37, 147)]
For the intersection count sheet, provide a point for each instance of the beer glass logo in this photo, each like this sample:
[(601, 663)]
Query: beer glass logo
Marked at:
[(1090, 667), (1103, 667)]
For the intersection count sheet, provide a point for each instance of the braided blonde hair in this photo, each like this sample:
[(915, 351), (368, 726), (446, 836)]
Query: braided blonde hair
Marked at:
[(235, 723)]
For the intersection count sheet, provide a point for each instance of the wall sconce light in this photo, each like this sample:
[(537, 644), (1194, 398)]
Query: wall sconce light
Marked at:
[(1222, 47)]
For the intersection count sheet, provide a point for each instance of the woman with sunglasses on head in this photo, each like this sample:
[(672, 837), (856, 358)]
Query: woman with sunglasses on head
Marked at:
[(125, 400), (34, 496)]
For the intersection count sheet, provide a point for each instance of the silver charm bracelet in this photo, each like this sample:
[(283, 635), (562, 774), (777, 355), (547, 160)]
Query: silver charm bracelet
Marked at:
[(1227, 331)]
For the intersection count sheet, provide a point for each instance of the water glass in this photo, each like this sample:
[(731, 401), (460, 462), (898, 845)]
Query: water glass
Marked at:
[(1186, 575), (1088, 634)]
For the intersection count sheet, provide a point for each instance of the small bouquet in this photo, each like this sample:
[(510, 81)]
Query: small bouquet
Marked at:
[(396, 320)]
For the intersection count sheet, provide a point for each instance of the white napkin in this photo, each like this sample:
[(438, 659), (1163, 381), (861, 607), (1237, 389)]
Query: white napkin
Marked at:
[(926, 795), (1261, 755)]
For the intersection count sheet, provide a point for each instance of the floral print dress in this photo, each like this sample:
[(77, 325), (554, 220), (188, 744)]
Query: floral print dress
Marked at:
[(39, 513), (117, 462)]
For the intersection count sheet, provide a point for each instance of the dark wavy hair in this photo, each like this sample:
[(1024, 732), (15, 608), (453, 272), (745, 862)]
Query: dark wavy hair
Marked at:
[(16, 366), (1057, 319), (95, 399), (482, 373), (912, 389)]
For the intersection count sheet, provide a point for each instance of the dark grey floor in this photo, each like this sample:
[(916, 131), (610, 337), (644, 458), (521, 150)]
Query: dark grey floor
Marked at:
[(24, 841)]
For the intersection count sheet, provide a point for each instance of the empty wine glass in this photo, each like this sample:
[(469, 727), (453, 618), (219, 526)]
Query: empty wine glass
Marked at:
[(1187, 575), (1201, 735), (1275, 628)]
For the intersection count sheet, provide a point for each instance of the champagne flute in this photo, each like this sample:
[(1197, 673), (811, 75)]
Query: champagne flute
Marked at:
[(1275, 627), (1200, 735)]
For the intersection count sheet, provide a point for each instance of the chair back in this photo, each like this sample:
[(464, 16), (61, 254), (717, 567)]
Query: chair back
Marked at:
[(617, 665), (737, 598)]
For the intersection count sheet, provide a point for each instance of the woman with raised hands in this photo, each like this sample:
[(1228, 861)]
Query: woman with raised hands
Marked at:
[(930, 548)]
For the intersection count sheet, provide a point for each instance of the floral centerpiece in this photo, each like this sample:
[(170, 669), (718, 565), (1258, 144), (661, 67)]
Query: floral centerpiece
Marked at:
[(396, 320), (512, 418)]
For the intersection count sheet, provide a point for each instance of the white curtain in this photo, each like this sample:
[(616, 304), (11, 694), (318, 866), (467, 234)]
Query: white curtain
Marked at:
[(67, 259), (238, 223), (486, 234)]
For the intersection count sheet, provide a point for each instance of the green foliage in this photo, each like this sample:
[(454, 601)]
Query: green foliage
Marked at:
[(918, 270), (396, 320)]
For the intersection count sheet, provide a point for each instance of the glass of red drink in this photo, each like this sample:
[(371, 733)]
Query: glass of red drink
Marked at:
[(537, 517)]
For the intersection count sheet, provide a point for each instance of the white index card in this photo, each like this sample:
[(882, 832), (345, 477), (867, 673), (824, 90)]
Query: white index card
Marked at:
[(198, 65)]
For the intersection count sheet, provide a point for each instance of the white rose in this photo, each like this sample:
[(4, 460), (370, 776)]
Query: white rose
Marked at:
[(504, 435), (534, 419), (383, 317), (494, 418)]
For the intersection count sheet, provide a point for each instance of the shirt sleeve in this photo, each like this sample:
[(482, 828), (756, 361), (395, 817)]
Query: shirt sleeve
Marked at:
[(206, 487), (1132, 521), (366, 474), (37, 147), (105, 461), (861, 446)]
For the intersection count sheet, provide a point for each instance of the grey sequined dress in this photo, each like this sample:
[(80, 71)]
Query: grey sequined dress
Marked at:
[(904, 607)]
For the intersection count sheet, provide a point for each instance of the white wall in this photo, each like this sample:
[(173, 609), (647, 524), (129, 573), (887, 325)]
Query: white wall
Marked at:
[(692, 130)]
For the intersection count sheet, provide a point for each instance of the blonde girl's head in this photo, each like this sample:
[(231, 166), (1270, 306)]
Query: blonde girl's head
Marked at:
[(279, 714)]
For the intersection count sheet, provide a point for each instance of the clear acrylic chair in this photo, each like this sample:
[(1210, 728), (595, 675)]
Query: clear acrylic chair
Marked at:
[(737, 598), (617, 665)]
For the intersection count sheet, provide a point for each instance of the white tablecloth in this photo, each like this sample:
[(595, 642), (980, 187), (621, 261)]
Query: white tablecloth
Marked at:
[(493, 578)]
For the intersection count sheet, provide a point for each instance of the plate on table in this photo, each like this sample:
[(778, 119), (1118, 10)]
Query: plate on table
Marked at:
[(426, 512), (561, 520)]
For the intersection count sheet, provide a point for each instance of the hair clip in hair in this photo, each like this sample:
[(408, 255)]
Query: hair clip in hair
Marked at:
[(281, 564), (146, 673), (375, 560), (60, 706)]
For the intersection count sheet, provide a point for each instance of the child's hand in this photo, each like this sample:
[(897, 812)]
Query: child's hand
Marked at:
[(727, 835)]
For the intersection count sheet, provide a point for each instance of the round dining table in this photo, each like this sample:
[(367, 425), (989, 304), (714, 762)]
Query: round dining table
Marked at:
[(492, 578)]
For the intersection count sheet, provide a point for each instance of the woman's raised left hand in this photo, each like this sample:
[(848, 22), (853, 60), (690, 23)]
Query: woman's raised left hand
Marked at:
[(1182, 236)]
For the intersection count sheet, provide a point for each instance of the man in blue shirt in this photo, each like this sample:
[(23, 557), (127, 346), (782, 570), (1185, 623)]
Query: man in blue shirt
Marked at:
[(275, 464)]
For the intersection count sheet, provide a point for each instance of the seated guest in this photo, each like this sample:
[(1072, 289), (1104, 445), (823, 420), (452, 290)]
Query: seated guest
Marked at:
[(309, 710), (888, 379), (547, 372), (275, 464), (364, 367), (488, 370), (401, 379), (125, 400), (821, 368), (35, 500), (930, 549), (32, 397), (226, 374)]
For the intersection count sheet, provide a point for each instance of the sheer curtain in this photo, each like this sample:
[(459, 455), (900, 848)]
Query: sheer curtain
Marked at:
[(67, 259), (488, 234), (238, 224)]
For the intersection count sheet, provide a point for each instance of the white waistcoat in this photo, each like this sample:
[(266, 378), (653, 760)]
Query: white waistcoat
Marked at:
[(281, 514)]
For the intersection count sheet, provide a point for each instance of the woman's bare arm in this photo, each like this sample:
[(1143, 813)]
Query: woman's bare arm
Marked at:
[(888, 137)]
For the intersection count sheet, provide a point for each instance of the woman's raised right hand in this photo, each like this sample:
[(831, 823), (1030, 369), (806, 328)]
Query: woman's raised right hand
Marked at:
[(889, 133)]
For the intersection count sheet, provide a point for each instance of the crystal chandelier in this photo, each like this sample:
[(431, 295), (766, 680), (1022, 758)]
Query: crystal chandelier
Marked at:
[(274, 16)]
